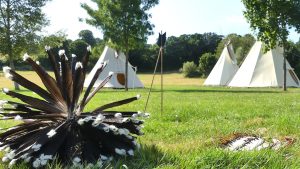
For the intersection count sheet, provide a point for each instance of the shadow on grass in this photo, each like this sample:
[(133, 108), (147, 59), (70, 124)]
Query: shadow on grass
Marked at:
[(225, 90), (148, 156), (196, 90)]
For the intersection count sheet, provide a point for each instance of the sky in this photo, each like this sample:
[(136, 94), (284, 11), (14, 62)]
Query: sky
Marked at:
[(176, 17)]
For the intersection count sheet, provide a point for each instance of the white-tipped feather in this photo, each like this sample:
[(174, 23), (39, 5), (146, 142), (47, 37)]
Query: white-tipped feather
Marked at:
[(8, 76), (88, 118), (47, 48), (36, 147), (7, 149), (253, 144), (51, 133), (2, 102), (12, 163), (89, 48), (138, 96), (5, 90), (61, 52), (110, 73), (73, 55), (37, 62), (25, 57), (78, 65), (104, 63), (18, 117), (113, 128), (124, 120), (11, 154), (5, 159), (118, 115), (76, 160), (6, 69), (103, 157), (130, 152), (80, 122), (120, 151), (134, 116), (106, 129), (36, 163)]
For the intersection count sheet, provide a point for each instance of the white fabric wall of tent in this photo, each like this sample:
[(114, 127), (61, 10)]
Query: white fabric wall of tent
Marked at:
[(116, 64), (224, 69), (261, 69)]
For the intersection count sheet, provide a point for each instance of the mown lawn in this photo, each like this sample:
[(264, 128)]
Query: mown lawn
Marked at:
[(187, 133)]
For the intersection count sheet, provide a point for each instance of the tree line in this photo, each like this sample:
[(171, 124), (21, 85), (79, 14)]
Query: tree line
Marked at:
[(201, 49)]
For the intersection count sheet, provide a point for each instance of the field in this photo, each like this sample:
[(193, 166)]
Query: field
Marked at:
[(187, 133)]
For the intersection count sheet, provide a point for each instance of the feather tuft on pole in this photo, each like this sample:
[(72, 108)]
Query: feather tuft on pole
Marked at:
[(55, 125)]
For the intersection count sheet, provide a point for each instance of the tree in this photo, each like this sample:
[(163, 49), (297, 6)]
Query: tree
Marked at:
[(88, 37), (189, 47), (125, 24), (19, 22), (54, 40), (272, 20), (78, 47), (241, 45), (206, 63)]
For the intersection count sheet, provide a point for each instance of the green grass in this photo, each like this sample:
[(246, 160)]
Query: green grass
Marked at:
[(187, 133)]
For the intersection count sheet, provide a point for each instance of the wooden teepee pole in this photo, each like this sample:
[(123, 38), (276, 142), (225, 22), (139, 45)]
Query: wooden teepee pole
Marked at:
[(161, 42), (162, 81)]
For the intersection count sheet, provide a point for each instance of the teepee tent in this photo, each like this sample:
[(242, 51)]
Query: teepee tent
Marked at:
[(116, 64), (224, 69), (264, 69)]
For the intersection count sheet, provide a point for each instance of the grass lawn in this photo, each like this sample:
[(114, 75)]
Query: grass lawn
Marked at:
[(187, 133)]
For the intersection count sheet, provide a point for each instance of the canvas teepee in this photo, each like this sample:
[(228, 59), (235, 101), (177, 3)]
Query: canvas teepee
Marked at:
[(116, 64), (224, 69), (264, 69)]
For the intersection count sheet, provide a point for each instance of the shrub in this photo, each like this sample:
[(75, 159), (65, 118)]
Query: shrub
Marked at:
[(190, 69), (206, 63)]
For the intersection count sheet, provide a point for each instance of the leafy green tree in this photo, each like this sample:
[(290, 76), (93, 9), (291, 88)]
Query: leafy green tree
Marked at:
[(241, 45), (88, 37), (125, 24), (188, 48), (206, 63), (78, 47), (144, 58), (19, 22), (246, 43), (272, 19), (55, 40), (190, 69)]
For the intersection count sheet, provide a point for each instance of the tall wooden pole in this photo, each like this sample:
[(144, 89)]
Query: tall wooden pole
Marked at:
[(160, 42), (162, 80)]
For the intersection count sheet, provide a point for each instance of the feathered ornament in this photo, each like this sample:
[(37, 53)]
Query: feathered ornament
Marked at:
[(246, 142), (56, 128)]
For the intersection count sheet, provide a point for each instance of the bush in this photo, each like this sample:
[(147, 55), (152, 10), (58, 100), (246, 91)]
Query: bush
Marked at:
[(190, 69), (206, 63)]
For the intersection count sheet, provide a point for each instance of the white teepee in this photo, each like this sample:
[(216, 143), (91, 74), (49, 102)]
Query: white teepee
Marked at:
[(224, 69), (264, 69), (116, 64)]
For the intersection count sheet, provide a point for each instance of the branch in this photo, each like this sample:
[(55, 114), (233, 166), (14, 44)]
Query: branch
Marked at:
[(2, 15)]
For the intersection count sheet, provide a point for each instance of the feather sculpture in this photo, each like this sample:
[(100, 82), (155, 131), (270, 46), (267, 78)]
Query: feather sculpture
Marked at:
[(241, 142), (56, 128)]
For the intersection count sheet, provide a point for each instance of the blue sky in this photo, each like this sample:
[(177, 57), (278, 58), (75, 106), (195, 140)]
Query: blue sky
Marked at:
[(176, 17)]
